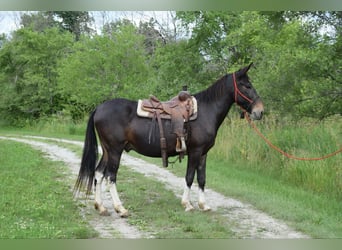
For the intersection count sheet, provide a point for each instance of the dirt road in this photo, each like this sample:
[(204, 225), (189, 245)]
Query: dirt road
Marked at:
[(247, 221)]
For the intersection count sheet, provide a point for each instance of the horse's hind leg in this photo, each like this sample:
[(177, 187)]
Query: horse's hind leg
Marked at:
[(98, 194), (119, 208), (110, 175), (99, 176)]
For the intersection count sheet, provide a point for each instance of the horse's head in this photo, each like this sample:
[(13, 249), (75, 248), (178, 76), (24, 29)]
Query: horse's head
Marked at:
[(245, 94)]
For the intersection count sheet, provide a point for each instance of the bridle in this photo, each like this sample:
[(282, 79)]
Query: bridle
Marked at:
[(238, 92)]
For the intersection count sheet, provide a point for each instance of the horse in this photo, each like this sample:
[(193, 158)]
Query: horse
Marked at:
[(119, 128)]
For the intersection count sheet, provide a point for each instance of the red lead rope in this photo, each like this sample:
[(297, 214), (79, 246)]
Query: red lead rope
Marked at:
[(283, 152), (236, 92)]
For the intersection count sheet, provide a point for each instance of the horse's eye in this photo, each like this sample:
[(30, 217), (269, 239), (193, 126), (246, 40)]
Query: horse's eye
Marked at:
[(247, 86)]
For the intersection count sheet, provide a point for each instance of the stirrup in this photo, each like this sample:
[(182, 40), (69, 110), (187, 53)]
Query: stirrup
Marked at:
[(180, 146)]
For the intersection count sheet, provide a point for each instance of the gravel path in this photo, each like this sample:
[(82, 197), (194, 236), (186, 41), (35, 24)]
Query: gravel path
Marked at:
[(246, 221), (107, 226)]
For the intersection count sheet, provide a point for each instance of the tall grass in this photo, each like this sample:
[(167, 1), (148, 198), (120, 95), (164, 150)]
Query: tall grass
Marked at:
[(238, 143), (57, 125), (61, 125)]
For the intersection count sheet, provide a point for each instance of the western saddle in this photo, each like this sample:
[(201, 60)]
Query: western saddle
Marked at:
[(179, 109)]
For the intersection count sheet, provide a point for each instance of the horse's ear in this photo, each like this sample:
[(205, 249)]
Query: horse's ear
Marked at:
[(249, 66), (244, 70)]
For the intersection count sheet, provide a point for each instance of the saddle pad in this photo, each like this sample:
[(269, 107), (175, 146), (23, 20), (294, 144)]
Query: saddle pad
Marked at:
[(143, 113)]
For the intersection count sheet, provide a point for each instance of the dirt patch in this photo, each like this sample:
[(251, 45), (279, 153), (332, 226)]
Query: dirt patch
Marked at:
[(246, 221)]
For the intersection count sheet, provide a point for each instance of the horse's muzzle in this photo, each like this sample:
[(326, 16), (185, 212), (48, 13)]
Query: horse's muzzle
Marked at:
[(257, 110)]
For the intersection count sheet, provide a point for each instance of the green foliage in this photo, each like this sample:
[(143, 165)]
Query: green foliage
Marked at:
[(44, 71), (177, 64), (28, 73), (104, 67), (209, 30), (76, 22), (298, 66), (39, 21), (295, 62)]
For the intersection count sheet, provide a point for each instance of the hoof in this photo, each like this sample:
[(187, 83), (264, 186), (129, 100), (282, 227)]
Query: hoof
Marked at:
[(188, 207), (124, 214), (96, 206), (204, 208), (102, 210), (105, 213)]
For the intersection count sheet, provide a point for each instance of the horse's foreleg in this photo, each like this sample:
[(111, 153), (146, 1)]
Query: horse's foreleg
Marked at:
[(98, 194), (201, 201), (186, 199), (201, 176), (189, 178)]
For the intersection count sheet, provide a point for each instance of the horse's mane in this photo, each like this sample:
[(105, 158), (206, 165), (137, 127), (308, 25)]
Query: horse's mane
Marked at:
[(214, 91)]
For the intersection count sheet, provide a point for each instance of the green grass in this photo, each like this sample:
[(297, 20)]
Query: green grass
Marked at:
[(317, 215), (314, 214), (307, 195), (35, 203)]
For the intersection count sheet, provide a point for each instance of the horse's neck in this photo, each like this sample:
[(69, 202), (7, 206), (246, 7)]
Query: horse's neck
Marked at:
[(223, 106), (218, 108)]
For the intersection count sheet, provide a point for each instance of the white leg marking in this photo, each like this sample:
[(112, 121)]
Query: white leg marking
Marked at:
[(186, 199), (201, 201), (98, 194), (119, 208)]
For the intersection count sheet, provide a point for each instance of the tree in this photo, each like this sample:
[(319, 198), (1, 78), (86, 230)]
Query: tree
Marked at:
[(177, 64), (28, 76), (298, 64), (39, 21), (209, 31), (76, 22), (153, 38), (307, 66), (104, 67)]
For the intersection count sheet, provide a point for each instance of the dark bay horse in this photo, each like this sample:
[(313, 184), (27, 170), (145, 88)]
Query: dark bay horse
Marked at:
[(119, 128)]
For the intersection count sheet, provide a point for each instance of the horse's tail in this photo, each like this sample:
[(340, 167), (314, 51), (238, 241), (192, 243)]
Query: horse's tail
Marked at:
[(89, 158)]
